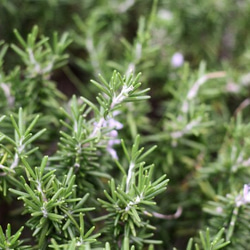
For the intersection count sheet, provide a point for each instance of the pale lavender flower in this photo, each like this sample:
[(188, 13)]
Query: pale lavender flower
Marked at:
[(113, 134), (6, 90), (111, 150), (246, 193), (177, 60), (232, 87), (112, 123), (245, 80), (165, 15), (245, 198)]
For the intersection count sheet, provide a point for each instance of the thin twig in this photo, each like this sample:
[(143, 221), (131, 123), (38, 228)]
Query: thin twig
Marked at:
[(242, 106), (176, 215)]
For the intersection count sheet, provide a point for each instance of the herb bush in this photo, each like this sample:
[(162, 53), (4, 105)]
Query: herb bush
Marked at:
[(124, 124)]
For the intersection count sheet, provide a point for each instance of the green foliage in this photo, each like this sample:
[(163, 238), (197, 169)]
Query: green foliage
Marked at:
[(54, 198), (52, 204), (92, 128), (128, 201), (79, 168), (217, 242), (15, 147), (39, 59), (9, 241)]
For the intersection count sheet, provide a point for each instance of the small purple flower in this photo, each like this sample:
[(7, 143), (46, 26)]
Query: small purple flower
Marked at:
[(165, 15), (232, 87), (177, 60), (114, 125), (245, 198), (246, 193)]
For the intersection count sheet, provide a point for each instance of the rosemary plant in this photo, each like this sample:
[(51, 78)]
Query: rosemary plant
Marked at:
[(152, 153)]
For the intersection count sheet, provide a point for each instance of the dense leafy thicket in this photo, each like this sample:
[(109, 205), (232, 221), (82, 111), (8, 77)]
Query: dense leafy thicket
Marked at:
[(124, 124)]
